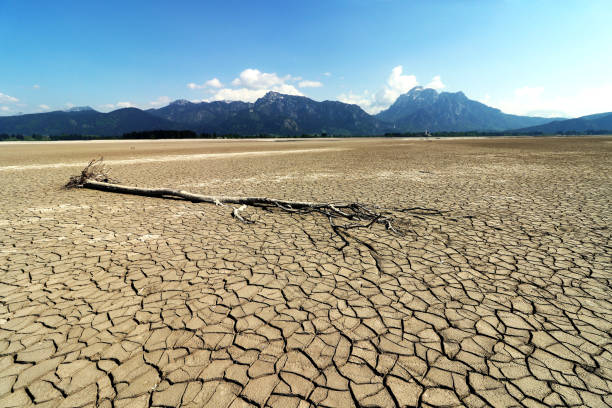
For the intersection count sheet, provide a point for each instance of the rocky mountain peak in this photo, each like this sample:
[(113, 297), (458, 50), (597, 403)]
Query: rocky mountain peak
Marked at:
[(80, 109), (272, 96), (180, 102), (425, 109), (418, 92)]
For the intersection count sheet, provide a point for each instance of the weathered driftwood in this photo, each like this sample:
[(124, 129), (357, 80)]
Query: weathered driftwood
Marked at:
[(96, 176), (198, 198), (96, 170), (350, 211)]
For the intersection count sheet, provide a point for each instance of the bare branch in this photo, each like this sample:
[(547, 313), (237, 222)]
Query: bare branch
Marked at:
[(96, 170), (96, 176)]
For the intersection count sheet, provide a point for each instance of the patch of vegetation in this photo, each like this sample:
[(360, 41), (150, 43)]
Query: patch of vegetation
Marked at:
[(188, 134)]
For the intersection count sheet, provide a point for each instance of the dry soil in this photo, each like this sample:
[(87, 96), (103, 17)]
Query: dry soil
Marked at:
[(117, 300)]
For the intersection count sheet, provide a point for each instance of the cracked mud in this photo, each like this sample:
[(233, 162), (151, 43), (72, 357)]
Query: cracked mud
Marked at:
[(112, 300)]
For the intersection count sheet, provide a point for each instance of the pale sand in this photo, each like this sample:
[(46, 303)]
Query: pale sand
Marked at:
[(182, 157)]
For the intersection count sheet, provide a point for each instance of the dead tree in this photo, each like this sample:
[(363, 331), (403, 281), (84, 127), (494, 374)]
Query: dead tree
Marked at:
[(96, 176)]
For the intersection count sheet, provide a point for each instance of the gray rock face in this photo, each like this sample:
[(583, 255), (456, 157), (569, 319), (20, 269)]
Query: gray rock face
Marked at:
[(423, 109), (417, 98)]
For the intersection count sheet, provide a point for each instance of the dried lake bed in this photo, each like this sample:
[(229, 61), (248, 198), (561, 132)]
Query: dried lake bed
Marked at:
[(114, 300)]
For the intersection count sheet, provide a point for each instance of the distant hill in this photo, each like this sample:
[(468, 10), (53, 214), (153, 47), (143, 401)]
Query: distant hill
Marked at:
[(597, 122), (418, 110), (84, 121), (294, 115), (205, 115), (274, 113), (423, 109)]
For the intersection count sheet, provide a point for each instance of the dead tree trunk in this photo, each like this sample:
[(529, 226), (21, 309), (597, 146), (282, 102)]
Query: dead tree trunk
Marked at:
[(350, 211), (198, 198), (355, 215)]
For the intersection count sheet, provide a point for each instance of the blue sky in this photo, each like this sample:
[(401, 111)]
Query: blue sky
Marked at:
[(525, 57)]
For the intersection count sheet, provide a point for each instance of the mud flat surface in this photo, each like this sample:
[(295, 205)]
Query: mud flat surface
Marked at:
[(126, 301)]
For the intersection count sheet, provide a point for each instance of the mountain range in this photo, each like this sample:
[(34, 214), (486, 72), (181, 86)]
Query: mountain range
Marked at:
[(84, 121), (418, 110), (590, 123), (274, 113)]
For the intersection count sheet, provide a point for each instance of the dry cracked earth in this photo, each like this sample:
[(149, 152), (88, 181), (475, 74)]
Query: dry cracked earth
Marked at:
[(113, 300)]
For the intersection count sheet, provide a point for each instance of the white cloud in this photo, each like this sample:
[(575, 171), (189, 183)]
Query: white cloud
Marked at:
[(249, 86), (36, 86), (4, 108), (7, 98), (535, 100), (44, 107), (365, 100), (436, 83), (69, 105), (327, 74), (211, 83), (255, 79), (240, 94), (250, 95), (310, 84), (118, 105), (161, 101), (397, 84)]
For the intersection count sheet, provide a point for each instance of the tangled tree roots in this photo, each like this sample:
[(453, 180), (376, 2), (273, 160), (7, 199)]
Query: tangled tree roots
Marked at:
[(96, 170), (354, 215)]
